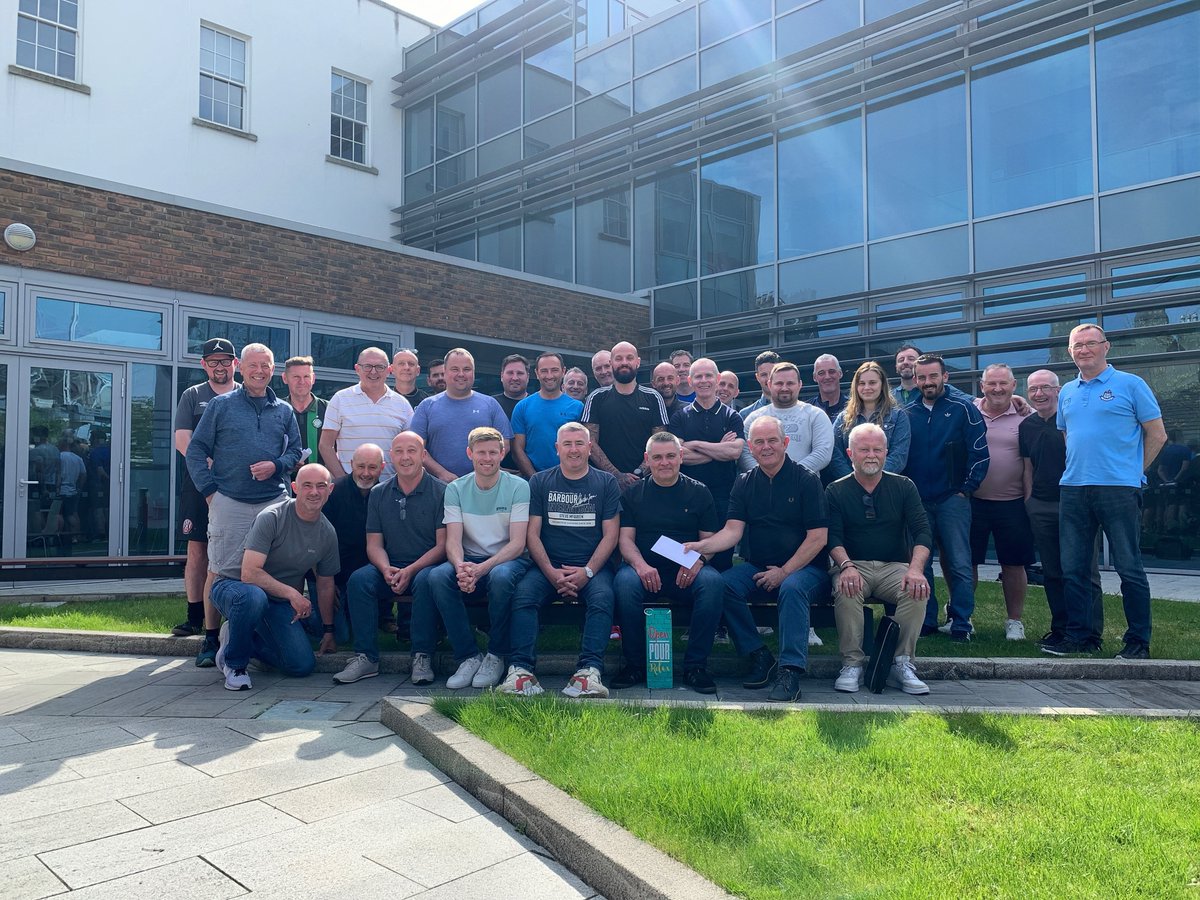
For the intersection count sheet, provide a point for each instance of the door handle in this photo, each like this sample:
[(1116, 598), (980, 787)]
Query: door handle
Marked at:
[(25, 482)]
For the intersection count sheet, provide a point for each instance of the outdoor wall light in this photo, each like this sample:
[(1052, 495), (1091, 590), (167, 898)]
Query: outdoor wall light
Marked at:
[(19, 237)]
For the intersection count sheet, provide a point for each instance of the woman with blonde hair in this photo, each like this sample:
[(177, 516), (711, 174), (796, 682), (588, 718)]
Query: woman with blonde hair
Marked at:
[(871, 401)]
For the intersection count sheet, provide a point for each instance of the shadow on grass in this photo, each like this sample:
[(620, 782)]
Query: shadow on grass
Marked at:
[(689, 723), (977, 729), (847, 731)]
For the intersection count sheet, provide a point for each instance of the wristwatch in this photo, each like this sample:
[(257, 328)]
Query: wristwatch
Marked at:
[(587, 570)]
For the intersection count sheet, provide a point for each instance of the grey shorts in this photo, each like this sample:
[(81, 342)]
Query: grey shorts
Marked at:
[(229, 522)]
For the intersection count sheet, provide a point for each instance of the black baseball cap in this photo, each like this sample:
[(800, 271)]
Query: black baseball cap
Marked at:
[(213, 346)]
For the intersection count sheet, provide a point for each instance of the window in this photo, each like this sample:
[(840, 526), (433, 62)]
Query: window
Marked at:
[(48, 36), (239, 334), (348, 119), (97, 323), (340, 351), (222, 78)]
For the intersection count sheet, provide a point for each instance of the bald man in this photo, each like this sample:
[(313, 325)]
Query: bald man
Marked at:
[(259, 592), (602, 367), (622, 416)]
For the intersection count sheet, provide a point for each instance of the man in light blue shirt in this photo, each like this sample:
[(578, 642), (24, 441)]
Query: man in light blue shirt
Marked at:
[(1114, 430), (537, 418)]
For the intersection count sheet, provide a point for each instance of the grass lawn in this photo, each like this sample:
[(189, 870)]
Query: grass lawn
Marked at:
[(1176, 625), (785, 805)]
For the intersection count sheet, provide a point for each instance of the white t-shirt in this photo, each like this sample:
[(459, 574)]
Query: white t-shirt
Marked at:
[(809, 432)]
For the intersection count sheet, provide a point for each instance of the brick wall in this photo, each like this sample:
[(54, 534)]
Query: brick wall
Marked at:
[(101, 234)]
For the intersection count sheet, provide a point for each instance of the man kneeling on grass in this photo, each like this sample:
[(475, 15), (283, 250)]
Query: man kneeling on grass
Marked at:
[(667, 504), (874, 517), (487, 515), (259, 595)]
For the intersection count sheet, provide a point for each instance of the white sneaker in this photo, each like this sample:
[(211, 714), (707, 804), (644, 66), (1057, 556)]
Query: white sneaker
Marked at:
[(814, 639), (466, 672), (237, 680), (520, 681), (949, 626), (904, 676), (1014, 630), (491, 672), (357, 669), (223, 642), (850, 679), (764, 630), (586, 683), (422, 669)]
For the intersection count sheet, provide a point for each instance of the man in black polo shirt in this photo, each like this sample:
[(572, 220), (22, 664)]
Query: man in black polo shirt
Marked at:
[(780, 508), (667, 504), (1043, 449), (713, 436), (406, 538), (879, 542), (621, 417)]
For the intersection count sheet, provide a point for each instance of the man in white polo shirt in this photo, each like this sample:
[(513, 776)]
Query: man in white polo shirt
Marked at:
[(370, 412)]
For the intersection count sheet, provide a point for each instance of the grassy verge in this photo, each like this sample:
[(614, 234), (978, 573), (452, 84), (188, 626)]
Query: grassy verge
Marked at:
[(1176, 625), (809, 804)]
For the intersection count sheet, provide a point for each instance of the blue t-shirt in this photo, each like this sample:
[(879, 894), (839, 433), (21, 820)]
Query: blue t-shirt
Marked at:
[(573, 512), (1103, 420), (444, 423), (539, 419)]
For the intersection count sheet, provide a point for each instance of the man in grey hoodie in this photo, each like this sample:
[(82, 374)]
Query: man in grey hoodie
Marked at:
[(253, 442)]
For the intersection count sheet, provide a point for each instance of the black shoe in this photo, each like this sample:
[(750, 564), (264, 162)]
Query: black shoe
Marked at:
[(187, 629), (628, 677), (699, 681), (762, 669), (927, 630), (1068, 647), (1052, 639), (1134, 651), (960, 637), (787, 686)]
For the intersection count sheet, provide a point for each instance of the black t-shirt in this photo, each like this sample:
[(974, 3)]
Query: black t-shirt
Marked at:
[(508, 404), (1040, 441), (695, 423), (778, 512), (346, 510), (415, 397), (573, 512), (883, 530), (680, 512), (625, 422), (188, 414)]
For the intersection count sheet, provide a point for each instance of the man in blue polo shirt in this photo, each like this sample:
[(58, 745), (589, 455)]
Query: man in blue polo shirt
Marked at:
[(537, 418), (1114, 430)]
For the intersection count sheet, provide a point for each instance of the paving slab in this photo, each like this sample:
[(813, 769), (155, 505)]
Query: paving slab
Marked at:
[(359, 790), (188, 879), (528, 876), (48, 799), (451, 850), (63, 829), (28, 879), (451, 801)]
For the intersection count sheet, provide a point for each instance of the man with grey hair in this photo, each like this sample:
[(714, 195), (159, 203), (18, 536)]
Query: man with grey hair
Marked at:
[(575, 384), (874, 515), (444, 420), (1043, 452), (602, 367), (369, 412), (998, 504), (827, 373)]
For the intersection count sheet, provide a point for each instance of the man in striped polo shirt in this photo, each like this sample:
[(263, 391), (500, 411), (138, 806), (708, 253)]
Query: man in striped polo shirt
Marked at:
[(370, 412)]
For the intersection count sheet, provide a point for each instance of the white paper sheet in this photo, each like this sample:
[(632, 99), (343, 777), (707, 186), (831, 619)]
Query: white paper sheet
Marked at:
[(673, 550)]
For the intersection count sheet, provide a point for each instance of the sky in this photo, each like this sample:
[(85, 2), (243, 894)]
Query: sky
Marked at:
[(439, 12)]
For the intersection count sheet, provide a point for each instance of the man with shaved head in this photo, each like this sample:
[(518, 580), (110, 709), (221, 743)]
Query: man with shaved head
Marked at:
[(665, 380), (369, 412), (258, 591), (728, 388), (621, 417)]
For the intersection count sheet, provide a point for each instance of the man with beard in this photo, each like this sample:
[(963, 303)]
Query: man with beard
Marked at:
[(621, 417), (763, 364), (514, 377), (436, 379), (537, 418), (665, 380), (906, 367), (809, 431)]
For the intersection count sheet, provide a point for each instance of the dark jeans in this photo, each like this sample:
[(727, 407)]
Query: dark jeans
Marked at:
[(498, 585), (950, 521), (707, 596), (1043, 521), (365, 590), (1117, 511), (315, 625), (796, 594), (262, 629), (535, 591)]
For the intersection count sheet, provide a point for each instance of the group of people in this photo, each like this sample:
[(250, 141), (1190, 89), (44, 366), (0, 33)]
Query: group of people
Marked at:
[(522, 498)]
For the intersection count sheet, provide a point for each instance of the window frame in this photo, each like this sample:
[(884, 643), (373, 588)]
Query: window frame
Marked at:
[(58, 26), (187, 312), (47, 291), (228, 80), (335, 72)]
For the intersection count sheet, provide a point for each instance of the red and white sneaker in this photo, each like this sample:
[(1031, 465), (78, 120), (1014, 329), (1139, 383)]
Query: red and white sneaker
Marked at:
[(586, 683), (616, 633), (520, 681)]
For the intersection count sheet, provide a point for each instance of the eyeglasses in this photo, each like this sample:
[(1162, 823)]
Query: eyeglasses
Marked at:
[(218, 363), (1042, 389), (1087, 345), (869, 505), (372, 367)]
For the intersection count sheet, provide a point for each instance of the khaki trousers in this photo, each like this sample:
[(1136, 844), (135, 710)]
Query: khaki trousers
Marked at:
[(883, 582)]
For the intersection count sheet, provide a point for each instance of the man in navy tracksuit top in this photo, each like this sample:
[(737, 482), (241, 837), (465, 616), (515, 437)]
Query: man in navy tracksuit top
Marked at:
[(947, 460)]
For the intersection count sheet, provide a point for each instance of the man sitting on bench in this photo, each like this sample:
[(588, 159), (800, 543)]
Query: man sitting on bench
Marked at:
[(874, 517), (667, 504)]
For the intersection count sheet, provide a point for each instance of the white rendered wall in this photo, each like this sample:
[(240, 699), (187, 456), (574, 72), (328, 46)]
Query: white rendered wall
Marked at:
[(140, 58)]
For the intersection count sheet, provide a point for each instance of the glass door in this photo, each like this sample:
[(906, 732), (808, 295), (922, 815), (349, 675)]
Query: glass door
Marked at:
[(69, 425)]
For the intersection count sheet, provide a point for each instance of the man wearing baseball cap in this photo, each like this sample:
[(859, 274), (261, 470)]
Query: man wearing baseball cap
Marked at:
[(219, 361)]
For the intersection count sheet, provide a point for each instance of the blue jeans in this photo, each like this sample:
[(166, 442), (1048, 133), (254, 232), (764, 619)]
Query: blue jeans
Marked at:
[(446, 600), (261, 628), (364, 592), (535, 591), (796, 594), (950, 521), (1082, 512), (707, 596), (315, 625)]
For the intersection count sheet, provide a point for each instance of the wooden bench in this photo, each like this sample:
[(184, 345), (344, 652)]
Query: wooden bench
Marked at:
[(76, 568)]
